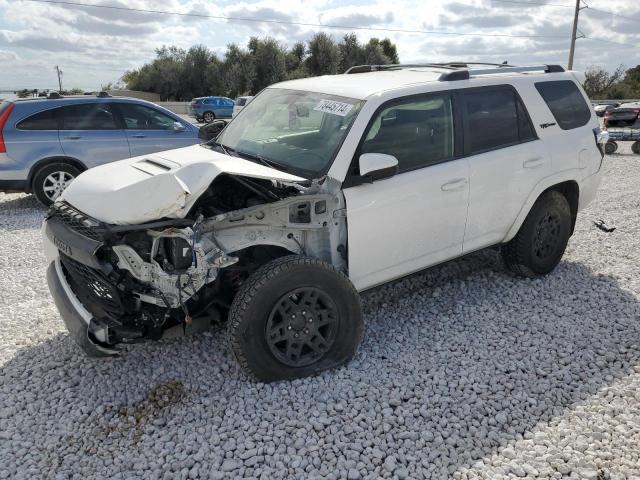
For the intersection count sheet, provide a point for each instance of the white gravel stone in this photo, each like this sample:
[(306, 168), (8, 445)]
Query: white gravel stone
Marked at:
[(465, 372)]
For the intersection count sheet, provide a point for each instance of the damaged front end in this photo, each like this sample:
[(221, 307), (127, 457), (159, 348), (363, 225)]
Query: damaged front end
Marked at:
[(142, 282)]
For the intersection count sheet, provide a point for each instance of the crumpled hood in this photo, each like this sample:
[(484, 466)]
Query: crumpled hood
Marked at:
[(159, 185)]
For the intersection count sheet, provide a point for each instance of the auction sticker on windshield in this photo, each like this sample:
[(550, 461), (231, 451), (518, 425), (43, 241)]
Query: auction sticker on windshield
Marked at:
[(331, 106)]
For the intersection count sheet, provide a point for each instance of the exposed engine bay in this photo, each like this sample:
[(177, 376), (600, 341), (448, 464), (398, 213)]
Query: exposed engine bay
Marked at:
[(148, 278)]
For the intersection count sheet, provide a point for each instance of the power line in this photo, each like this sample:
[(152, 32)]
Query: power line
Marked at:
[(287, 22), (341, 27), (561, 5)]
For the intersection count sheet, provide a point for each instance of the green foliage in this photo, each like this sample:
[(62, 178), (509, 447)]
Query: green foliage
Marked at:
[(619, 84), (24, 93), (177, 74)]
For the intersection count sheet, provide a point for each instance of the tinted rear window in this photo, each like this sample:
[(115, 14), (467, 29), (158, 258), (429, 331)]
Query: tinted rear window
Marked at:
[(88, 116), (496, 118), (565, 102), (241, 101), (47, 120)]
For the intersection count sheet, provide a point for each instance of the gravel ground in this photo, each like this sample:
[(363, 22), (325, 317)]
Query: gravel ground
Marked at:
[(465, 372)]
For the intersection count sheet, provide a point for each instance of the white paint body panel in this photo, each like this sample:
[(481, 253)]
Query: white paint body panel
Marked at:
[(133, 191), (405, 223)]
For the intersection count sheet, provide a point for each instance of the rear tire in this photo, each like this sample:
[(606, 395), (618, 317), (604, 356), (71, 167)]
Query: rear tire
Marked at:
[(208, 117), (610, 147), (540, 243), (51, 180), (635, 147), (294, 317)]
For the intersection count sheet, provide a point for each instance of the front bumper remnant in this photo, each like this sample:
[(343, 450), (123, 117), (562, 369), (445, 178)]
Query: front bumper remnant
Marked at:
[(76, 318)]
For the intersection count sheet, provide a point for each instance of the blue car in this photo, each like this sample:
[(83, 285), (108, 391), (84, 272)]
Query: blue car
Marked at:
[(207, 109), (46, 142)]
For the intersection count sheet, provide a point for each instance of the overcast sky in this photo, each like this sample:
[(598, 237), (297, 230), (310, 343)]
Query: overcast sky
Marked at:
[(94, 46)]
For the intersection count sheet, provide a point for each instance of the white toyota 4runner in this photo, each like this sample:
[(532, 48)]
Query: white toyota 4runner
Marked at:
[(321, 188)]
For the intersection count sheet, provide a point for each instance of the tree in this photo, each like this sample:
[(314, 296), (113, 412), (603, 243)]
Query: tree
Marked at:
[(324, 56), (269, 60), (632, 80), (390, 50), (239, 71), (351, 52), (24, 93), (178, 74), (374, 53), (598, 81), (294, 61)]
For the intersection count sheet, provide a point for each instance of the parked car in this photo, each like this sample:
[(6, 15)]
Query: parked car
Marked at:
[(321, 188), (240, 103), (207, 109), (601, 108), (47, 142), (626, 115)]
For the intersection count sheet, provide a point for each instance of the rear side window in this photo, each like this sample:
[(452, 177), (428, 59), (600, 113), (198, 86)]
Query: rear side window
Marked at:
[(496, 118), (88, 116), (565, 102), (241, 101), (47, 120)]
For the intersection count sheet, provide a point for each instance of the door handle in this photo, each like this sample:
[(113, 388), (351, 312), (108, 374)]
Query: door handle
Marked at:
[(533, 162), (456, 184), (139, 135), (73, 137)]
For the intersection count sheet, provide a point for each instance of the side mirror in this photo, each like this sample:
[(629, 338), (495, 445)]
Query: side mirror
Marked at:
[(178, 127), (376, 166), (211, 130)]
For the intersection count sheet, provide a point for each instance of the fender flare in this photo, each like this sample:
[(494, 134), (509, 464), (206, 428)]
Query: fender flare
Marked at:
[(49, 160), (542, 186)]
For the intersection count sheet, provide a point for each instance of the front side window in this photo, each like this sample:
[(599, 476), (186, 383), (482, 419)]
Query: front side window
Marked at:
[(88, 116), (298, 131), (565, 102), (417, 131), (141, 117), (47, 120)]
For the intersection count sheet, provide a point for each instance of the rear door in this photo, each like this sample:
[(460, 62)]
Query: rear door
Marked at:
[(223, 108), (149, 130), (506, 161), (91, 133)]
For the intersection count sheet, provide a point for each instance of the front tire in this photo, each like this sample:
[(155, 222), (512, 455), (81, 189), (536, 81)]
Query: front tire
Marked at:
[(51, 180), (208, 117), (540, 243), (294, 317)]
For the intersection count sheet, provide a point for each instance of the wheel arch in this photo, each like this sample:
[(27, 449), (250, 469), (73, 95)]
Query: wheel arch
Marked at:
[(50, 160), (567, 186)]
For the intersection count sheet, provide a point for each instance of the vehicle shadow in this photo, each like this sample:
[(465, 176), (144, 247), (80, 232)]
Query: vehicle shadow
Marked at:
[(434, 381)]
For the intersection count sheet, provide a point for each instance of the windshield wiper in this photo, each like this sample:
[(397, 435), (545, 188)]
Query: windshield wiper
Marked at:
[(264, 161), (218, 144)]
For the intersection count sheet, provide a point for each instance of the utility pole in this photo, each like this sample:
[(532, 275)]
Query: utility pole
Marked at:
[(573, 35), (59, 78)]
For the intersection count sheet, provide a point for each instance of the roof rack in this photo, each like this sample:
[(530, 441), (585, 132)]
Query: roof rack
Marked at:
[(459, 70)]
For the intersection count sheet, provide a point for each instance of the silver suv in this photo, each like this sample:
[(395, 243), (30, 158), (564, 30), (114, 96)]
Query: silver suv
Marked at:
[(46, 142)]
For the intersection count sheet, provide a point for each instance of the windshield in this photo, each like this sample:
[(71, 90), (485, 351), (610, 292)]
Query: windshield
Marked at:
[(295, 130)]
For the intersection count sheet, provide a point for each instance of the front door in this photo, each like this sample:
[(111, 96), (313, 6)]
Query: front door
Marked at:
[(150, 130), (416, 218), (90, 133)]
